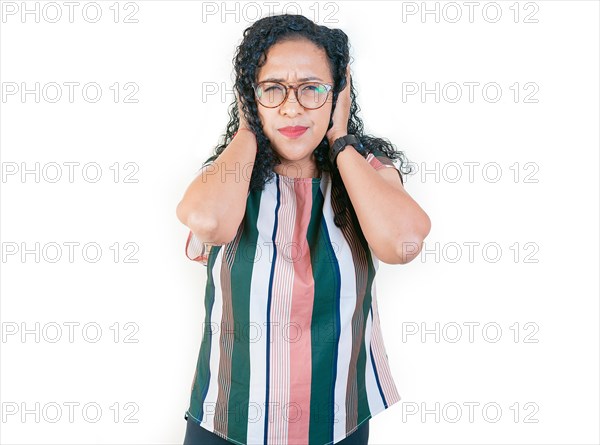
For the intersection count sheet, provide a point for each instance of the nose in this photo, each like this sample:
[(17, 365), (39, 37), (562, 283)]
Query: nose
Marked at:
[(290, 107)]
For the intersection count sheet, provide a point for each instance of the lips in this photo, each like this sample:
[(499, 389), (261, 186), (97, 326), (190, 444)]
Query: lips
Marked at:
[(293, 132)]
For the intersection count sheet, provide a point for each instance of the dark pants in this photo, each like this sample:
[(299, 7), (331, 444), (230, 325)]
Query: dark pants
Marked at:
[(196, 435)]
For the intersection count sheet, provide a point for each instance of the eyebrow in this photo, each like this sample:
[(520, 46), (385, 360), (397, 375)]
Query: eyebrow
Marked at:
[(304, 79)]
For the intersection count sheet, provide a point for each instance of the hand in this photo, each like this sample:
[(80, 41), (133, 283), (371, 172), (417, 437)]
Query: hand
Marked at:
[(341, 113)]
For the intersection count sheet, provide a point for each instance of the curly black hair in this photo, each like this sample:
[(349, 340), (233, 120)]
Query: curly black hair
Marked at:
[(251, 54)]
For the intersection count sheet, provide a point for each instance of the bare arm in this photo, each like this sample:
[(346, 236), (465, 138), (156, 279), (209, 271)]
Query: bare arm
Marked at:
[(214, 203), (394, 225)]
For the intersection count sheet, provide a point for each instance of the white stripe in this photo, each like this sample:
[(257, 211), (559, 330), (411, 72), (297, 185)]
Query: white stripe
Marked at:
[(210, 402), (259, 291), (194, 246), (343, 255)]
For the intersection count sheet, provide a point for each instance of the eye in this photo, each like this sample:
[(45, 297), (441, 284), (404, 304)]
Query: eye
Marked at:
[(272, 87), (315, 88)]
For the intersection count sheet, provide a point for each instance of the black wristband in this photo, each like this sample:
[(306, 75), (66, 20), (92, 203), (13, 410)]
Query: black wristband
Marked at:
[(340, 143)]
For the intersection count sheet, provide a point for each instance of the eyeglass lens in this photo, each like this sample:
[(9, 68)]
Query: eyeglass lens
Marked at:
[(310, 95)]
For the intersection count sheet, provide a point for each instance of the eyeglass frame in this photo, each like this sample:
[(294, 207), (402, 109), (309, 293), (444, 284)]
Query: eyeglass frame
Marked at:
[(292, 87)]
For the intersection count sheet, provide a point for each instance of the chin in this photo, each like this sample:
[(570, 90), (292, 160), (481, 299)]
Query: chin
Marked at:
[(293, 148)]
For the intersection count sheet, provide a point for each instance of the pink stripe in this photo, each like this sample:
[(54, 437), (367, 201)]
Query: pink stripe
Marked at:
[(300, 318), (376, 163), (279, 382)]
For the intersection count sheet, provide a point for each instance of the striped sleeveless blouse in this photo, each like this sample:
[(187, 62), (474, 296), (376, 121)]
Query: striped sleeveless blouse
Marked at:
[(292, 350)]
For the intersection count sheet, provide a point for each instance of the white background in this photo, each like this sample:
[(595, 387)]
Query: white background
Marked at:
[(175, 52)]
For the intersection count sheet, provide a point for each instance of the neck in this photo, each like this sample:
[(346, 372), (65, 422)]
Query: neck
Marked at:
[(298, 169)]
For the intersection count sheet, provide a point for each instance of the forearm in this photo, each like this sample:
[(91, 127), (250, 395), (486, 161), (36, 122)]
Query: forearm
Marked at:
[(214, 203), (394, 225)]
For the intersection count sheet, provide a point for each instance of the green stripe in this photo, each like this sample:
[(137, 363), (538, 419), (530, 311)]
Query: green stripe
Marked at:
[(241, 280), (323, 325)]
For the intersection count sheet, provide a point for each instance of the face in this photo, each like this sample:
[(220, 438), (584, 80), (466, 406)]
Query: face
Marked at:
[(294, 62)]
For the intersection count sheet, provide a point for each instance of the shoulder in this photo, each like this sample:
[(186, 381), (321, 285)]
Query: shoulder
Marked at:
[(379, 160)]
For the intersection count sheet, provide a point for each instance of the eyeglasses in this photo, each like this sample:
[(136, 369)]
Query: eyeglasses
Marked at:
[(310, 95)]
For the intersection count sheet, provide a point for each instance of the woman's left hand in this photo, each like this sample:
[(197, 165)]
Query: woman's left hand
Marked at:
[(341, 113)]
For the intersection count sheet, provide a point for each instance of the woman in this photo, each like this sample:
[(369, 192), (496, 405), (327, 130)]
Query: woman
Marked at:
[(292, 349)]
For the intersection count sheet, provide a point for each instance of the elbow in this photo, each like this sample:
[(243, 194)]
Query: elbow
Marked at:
[(208, 229), (203, 227), (182, 214), (189, 216), (408, 248), (423, 227)]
